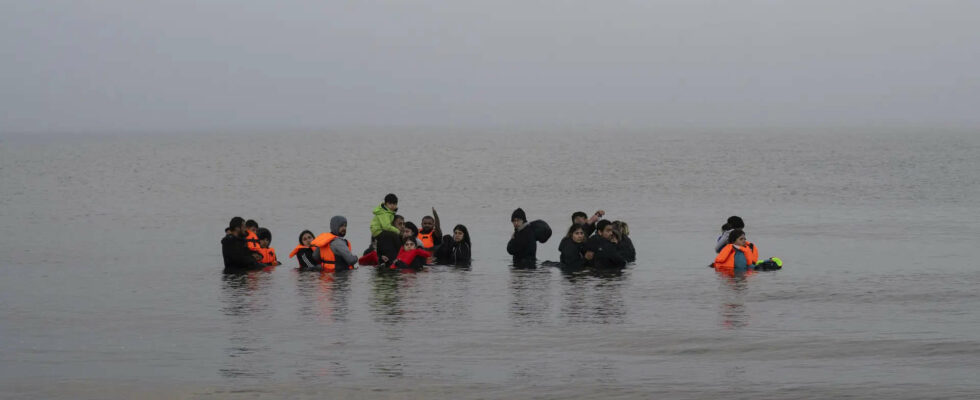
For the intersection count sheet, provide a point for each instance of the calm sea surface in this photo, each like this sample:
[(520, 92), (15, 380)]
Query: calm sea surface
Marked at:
[(111, 284)]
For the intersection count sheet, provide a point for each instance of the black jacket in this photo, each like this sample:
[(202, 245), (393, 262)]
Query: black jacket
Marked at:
[(523, 246), (453, 253), (572, 254), (606, 253), (238, 258), (626, 249)]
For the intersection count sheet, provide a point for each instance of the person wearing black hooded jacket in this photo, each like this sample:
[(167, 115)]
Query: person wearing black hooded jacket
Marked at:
[(455, 250), (605, 248), (523, 244), (237, 257)]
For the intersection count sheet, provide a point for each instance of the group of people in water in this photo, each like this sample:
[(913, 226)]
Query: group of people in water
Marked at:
[(590, 242)]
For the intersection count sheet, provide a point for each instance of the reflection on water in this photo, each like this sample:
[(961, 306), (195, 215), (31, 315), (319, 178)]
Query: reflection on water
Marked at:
[(593, 296), (245, 297), (324, 295), (530, 297), (386, 295), (734, 314)]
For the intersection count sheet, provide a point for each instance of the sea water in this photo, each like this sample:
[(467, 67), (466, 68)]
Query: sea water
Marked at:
[(111, 284)]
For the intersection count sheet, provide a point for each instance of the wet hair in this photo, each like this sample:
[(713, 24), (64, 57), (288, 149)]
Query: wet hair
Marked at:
[(428, 217), (734, 235), (251, 224), (397, 217), (602, 225), (391, 198), (409, 239), (303, 233), (735, 222), (621, 227), (726, 227), (579, 214), (236, 223), (574, 228), (264, 233), (466, 233), (411, 226)]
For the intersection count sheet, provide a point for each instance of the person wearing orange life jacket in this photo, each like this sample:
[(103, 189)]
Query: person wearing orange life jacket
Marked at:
[(335, 251), (252, 239), (739, 255), (268, 253), (431, 233), (304, 252)]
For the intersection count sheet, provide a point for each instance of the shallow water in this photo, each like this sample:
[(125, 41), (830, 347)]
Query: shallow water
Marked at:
[(110, 285)]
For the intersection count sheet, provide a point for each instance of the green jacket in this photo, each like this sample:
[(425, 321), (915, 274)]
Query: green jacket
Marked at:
[(382, 220)]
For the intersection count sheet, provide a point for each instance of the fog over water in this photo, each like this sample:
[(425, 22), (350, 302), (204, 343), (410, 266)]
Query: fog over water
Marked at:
[(232, 66)]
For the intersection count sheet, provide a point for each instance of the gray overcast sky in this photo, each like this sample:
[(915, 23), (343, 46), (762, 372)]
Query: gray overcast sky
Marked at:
[(177, 65)]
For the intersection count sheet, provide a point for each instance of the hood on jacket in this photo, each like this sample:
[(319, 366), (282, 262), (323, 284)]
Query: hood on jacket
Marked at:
[(335, 223)]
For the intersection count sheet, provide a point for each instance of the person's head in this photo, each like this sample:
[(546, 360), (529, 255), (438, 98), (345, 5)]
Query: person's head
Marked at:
[(576, 232), (398, 222), (605, 229), (460, 234), (518, 218), (410, 230), (338, 225), (428, 223), (579, 218), (409, 243), (391, 202), (236, 226), (305, 238), (726, 227), (251, 225), (265, 237), (735, 222), (737, 237), (621, 227)]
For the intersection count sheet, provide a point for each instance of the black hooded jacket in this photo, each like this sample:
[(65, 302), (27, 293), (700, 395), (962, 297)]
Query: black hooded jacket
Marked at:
[(455, 253), (606, 253), (523, 246), (238, 258)]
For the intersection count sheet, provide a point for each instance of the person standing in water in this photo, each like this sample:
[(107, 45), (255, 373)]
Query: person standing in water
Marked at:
[(431, 234), (455, 250), (383, 232), (237, 257), (572, 248), (734, 222), (335, 251), (523, 244), (605, 247)]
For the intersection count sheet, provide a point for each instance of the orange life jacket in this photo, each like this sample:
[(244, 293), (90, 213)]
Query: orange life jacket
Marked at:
[(428, 239), (252, 241), (725, 260), (268, 255), (329, 260), (297, 249)]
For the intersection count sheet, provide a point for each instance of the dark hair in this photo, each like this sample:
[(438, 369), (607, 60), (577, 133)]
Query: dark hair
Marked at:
[(574, 228), (263, 233), (735, 222), (726, 227), (428, 217), (579, 214), (397, 217), (466, 233), (303, 233), (411, 225), (251, 224), (391, 198), (236, 223), (734, 235), (409, 239), (602, 225)]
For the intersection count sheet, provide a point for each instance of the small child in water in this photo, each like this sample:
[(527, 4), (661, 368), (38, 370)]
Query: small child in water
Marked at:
[(410, 256), (268, 253)]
